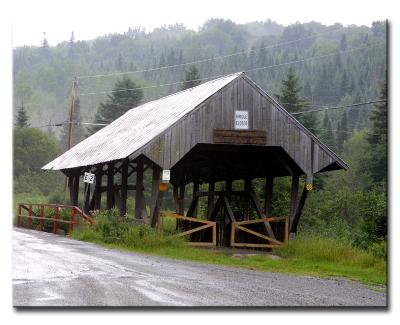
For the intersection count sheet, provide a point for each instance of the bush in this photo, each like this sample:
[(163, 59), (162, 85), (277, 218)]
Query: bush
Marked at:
[(110, 228)]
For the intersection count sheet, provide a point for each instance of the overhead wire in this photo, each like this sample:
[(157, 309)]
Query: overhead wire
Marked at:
[(212, 58), (248, 70)]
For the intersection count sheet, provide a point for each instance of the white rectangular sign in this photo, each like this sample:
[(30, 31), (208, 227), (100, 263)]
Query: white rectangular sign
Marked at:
[(241, 120), (166, 176), (88, 178)]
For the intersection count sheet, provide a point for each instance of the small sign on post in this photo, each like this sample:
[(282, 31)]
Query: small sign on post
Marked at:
[(88, 178), (241, 120), (166, 176)]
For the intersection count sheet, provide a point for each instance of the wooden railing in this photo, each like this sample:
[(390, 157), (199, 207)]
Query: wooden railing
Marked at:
[(272, 243), (206, 224), (74, 212)]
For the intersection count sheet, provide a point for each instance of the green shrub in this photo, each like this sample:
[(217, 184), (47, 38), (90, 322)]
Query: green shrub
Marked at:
[(379, 250), (110, 228)]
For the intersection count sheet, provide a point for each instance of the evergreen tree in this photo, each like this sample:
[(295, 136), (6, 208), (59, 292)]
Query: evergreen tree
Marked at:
[(45, 43), (293, 102), (378, 139), (327, 132), (118, 103), (71, 45), (343, 43), (342, 134), (192, 77), (22, 118)]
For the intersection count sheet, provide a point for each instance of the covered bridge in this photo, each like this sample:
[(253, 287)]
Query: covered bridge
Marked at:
[(223, 130)]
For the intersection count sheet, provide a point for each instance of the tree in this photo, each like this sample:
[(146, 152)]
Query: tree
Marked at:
[(292, 100), (192, 77), (378, 139), (71, 45), (327, 131), (32, 149), (124, 97), (342, 134), (22, 118), (78, 131)]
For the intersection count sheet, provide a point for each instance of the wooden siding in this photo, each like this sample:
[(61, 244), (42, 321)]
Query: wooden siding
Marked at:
[(217, 112)]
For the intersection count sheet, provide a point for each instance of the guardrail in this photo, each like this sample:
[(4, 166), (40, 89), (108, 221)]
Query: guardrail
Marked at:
[(75, 211), (272, 243)]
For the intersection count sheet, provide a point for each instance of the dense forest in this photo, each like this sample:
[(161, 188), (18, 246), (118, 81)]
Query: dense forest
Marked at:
[(305, 66)]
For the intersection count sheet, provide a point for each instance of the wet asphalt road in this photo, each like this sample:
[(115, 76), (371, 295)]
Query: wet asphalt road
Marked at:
[(51, 270)]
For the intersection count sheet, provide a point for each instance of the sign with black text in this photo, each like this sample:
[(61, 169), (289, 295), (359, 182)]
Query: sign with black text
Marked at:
[(241, 120), (88, 178)]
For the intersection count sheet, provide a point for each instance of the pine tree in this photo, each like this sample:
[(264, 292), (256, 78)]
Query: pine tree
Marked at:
[(192, 77), (22, 118), (45, 43), (327, 132), (379, 118), (292, 100), (378, 139), (71, 45), (118, 103), (342, 134)]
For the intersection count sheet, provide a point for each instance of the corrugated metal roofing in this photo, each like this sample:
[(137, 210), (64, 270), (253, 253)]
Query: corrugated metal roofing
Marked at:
[(137, 127)]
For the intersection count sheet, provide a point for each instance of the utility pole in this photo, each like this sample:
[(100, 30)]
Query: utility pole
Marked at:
[(71, 116)]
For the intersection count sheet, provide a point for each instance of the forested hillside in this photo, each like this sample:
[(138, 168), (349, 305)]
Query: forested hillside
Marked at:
[(43, 75)]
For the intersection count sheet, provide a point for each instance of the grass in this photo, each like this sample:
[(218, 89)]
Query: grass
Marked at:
[(305, 255)]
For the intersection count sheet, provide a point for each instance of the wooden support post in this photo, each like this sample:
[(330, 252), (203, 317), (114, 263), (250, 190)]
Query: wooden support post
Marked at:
[(156, 212), (97, 190), (124, 188), (175, 194), (246, 206), (110, 185), (154, 189), (294, 196), (139, 190), (269, 186), (210, 204), (295, 221), (195, 197), (70, 179), (76, 190), (86, 198), (181, 199)]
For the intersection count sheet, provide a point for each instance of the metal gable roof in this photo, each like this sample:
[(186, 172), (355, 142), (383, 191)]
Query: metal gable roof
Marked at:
[(137, 127)]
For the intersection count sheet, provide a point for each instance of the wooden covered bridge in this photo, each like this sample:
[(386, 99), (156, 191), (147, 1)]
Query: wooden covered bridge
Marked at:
[(226, 129)]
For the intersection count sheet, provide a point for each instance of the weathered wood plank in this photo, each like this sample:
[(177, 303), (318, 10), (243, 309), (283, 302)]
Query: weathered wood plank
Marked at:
[(256, 137)]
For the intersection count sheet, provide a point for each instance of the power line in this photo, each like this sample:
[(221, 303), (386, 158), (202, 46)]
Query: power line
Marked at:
[(343, 131), (210, 59), (343, 106), (249, 70)]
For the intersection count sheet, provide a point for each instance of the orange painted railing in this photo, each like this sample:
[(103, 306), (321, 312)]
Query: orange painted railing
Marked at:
[(74, 212)]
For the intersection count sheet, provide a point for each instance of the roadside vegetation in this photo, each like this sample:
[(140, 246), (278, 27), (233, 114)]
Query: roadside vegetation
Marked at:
[(306, 255)]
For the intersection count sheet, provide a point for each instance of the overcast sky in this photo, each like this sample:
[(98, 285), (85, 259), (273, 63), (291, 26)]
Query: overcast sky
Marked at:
[(89, 19)]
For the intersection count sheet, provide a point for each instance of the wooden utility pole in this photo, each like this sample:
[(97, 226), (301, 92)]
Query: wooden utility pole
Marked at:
[(71, 115)]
